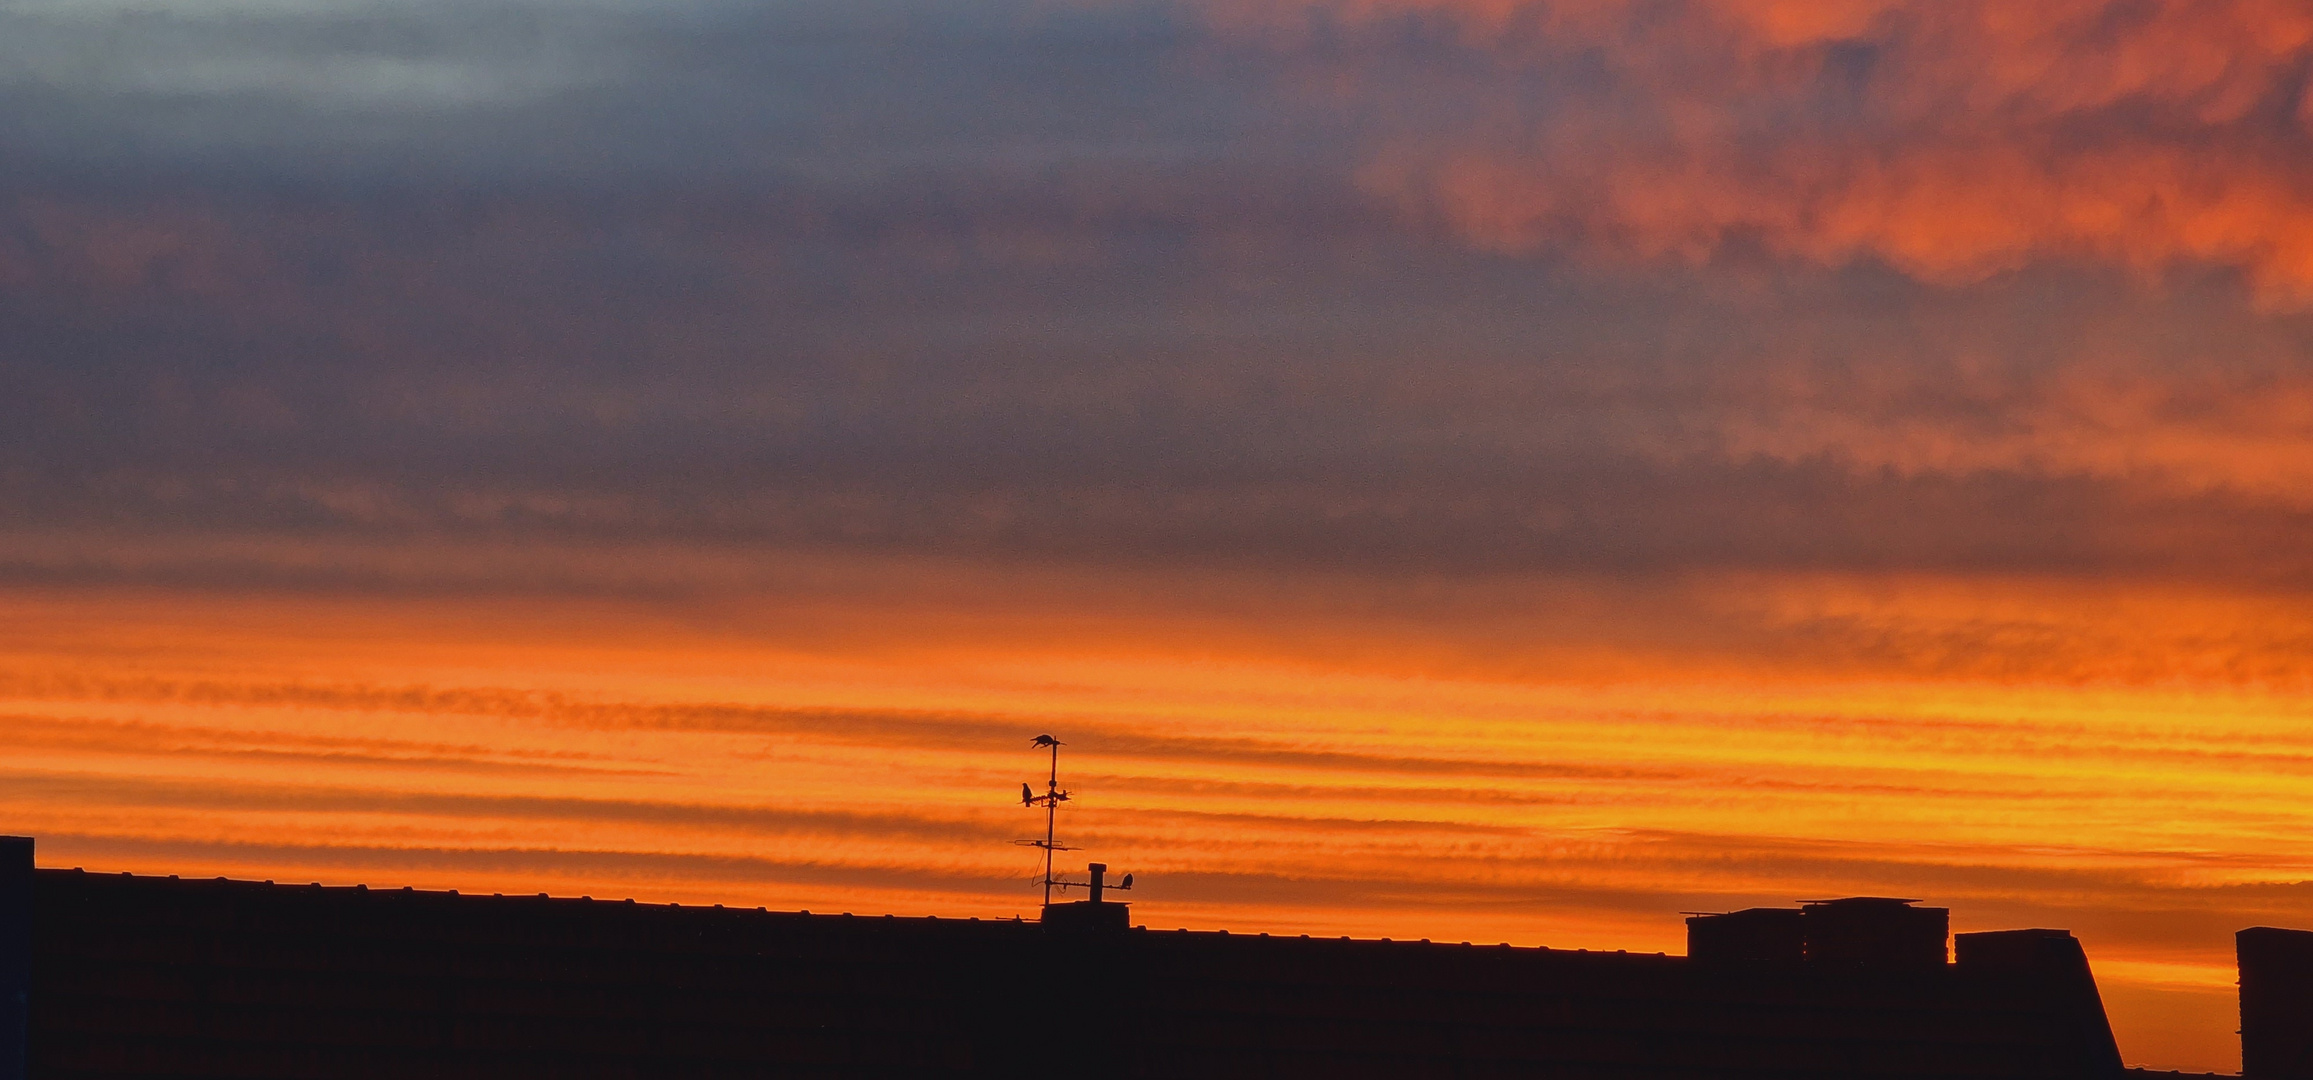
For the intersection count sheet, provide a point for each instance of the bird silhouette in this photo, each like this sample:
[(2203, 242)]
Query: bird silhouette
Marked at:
[(1043, 740), (1027, 797)]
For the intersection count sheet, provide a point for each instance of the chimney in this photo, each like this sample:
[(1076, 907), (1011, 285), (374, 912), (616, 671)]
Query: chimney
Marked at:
[(2276, 1003), (1094, 916)]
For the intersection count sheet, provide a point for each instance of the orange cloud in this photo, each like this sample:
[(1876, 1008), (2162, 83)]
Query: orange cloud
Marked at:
[(1952, 139), (2247, 433)]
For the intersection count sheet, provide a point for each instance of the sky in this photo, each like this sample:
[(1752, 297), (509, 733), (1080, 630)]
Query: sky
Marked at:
[(1507, 470)]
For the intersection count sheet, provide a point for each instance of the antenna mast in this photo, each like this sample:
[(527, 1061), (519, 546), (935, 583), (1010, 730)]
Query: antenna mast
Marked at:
[(1050, 801)]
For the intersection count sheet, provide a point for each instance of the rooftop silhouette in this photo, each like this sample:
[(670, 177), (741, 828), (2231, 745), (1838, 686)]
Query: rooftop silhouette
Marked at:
[(144, 976)]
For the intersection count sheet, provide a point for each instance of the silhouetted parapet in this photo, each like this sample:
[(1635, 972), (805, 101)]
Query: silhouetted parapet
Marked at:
[(1749, 936), (136, 978), (2054, 960), (1875, 932), (1088, 917), (2276, 1003), (15, 952)]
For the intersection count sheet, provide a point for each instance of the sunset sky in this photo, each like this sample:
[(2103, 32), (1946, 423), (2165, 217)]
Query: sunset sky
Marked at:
[(1507, 470)]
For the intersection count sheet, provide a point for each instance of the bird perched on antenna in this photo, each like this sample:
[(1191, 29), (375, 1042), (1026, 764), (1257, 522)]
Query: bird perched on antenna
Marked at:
[(1043, 740), (1027, 795)]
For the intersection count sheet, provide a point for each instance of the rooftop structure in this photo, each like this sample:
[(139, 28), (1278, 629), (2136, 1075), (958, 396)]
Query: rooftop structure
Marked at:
[(2276, 1003), (144, 976)]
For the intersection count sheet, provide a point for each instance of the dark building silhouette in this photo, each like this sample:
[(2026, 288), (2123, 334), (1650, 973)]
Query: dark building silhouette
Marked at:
[(2049, 958), (1875, 932), (157, 977), (1749, 936), (15, 952), (2276, 1003)]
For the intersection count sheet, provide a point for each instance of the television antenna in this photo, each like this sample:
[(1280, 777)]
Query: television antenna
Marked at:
[(1051, 799)]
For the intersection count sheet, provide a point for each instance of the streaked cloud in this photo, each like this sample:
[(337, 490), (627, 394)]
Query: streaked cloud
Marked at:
[(1949, 140)]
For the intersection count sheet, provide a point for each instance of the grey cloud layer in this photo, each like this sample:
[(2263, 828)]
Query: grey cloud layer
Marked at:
[(1000, 279)]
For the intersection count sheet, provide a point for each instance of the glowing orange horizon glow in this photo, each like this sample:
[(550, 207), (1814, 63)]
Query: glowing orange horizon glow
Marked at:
[(1320, 771)]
